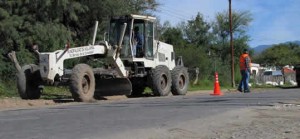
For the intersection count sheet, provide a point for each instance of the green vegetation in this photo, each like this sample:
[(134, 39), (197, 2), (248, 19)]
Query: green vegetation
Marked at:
[(50, 92), (8, 89), (207, 85), (280, 55), (206, 44)]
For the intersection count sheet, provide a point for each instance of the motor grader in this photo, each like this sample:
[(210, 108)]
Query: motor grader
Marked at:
[(126, 72)]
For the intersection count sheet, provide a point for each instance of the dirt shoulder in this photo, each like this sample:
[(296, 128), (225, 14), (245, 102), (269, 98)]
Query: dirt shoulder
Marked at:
[(18, 103), (281, 121)]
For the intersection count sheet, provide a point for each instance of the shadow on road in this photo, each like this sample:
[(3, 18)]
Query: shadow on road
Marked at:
[(57, 98), (289, 87)]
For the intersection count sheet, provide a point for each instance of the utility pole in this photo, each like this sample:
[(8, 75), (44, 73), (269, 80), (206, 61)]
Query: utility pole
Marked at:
[(231, 46)]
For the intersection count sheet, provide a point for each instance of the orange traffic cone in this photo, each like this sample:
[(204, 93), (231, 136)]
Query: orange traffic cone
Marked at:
[(217, 91)]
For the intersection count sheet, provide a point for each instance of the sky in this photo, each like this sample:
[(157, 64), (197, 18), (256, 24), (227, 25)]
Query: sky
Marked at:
[(274, 21)]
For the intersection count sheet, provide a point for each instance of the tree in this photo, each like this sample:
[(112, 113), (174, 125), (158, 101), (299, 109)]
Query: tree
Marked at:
[(173, 36), (219, 45), (191, 41), (240, 22), (197, 31), (221, 31), (280, 55)]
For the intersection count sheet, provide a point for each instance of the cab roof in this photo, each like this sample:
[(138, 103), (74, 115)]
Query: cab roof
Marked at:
[(133, 16), (143, 17)]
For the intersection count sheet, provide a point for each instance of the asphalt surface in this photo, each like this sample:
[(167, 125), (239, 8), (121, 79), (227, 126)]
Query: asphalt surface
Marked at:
[(110, 119)]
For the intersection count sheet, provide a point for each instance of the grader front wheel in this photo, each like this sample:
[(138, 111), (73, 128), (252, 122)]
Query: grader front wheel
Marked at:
[(82, 83)]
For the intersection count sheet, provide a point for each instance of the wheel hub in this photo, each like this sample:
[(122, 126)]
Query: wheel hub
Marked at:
[(85, 84)]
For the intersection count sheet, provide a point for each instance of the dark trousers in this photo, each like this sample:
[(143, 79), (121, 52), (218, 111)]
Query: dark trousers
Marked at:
[(243, 86)]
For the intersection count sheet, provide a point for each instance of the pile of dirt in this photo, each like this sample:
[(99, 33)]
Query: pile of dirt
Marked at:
[(10, 103), (18, 103)]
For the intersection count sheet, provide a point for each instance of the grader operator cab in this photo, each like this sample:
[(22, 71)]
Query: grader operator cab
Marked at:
[(135, 61)]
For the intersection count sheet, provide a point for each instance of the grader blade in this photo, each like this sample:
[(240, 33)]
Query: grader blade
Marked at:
[(113, 86)]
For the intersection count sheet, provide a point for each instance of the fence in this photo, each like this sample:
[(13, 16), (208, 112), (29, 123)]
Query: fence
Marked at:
[(274, 78)]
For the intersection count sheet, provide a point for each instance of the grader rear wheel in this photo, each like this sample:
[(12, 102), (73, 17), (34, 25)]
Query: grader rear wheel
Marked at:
[(82, 83), (161, 81), (180, 80)]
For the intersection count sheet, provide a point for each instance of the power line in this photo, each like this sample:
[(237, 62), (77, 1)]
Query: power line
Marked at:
[(173, 14), (173, 11), (178, 10)]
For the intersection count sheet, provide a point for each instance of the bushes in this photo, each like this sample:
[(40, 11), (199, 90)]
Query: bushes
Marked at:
[(8, 89)]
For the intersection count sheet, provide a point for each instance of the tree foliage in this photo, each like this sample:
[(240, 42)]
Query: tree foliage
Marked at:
[(280, 55), (173, 36), (221, 31), (206, 44), (197, 31)]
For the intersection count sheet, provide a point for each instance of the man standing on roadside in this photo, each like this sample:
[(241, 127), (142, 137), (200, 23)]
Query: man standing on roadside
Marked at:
[(245, 65)]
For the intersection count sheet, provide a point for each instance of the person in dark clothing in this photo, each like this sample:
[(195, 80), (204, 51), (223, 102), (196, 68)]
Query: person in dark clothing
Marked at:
[(245, 65), (139, 42)]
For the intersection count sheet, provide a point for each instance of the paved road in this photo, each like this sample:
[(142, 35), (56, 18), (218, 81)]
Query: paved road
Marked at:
[(130, 118)]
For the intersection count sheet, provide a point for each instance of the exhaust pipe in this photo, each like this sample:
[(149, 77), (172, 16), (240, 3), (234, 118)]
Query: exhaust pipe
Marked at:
[(95, 33)]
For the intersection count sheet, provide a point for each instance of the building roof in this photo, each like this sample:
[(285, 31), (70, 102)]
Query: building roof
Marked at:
[(255, 65), (287, 70), (273, 73)]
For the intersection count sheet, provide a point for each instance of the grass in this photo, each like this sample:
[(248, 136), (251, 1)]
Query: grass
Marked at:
[(8, 89), (198, 87), (206, 85), (52, 92)]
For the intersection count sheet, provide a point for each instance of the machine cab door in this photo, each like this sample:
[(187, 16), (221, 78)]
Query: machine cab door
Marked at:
[(142, 39), (149, 40), (138, 38), (115, 34)]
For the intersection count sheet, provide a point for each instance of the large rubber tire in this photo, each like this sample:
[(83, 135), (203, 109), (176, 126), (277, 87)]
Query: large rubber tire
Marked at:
[(28, 82), (82, 83), (180, 80), (161, 81), (138, 87)]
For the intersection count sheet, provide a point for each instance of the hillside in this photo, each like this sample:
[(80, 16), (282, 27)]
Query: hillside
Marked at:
[(260, 48)]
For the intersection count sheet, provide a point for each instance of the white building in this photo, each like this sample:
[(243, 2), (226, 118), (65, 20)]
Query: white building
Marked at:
[(255, 68)]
